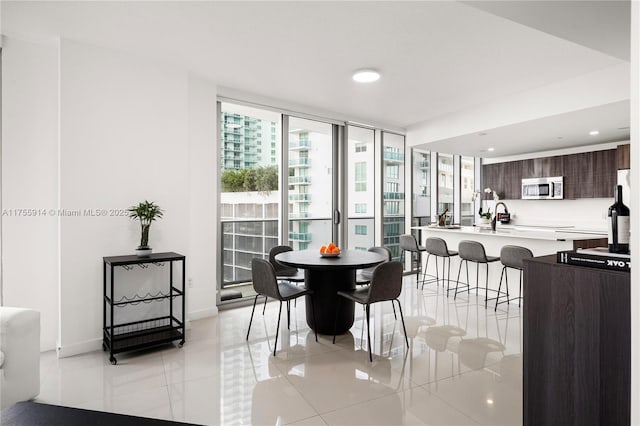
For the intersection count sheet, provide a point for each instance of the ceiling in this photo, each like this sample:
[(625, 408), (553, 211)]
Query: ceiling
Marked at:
[(436, 57)]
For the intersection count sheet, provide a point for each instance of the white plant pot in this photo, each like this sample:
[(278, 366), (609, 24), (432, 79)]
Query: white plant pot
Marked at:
[(143, 252), (484, 221)]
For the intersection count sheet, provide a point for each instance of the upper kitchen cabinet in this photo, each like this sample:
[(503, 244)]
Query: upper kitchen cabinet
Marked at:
[(586, 175), (624, 156)]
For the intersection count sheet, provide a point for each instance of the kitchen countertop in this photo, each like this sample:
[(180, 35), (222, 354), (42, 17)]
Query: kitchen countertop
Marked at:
[(524, 232)]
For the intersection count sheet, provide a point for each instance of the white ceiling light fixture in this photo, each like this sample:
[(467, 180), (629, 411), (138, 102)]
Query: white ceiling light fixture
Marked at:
[(594, 133), (491, 149), (366, 75)]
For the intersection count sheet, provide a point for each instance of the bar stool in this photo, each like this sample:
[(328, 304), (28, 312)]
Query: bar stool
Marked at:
[(437, 247), (409, 243), (473, 251), (511, 257)]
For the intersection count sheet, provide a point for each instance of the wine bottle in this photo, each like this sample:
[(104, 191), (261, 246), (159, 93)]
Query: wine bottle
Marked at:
[(618, 218)]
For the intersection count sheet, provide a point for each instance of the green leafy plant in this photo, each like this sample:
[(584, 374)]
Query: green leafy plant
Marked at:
[(146, 212), (485, 215), (261, 179)]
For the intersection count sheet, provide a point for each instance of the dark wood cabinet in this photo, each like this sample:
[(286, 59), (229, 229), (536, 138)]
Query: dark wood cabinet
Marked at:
[(604, 172), (577, 345), (586, 175), (623, 153)]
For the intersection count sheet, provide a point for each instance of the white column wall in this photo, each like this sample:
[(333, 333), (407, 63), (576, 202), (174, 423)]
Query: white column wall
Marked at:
[(87, 128), (30, 181)]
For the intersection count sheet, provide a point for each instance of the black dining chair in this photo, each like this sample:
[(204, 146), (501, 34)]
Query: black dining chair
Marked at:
[(386, 285), (286, 273), (266, 284), (363, 276)]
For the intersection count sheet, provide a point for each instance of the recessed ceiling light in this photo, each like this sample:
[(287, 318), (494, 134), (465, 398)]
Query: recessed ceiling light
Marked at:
[(366, 76), (491, 149), (489, 401), (594, 132)]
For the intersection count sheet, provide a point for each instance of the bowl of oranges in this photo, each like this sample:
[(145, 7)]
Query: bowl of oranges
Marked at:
[(330, 250)]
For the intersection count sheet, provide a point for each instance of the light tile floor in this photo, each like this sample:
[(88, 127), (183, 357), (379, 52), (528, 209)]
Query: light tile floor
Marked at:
[(464, 367)]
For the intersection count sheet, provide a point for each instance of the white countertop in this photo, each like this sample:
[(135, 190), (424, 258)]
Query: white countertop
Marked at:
[(510, 231)]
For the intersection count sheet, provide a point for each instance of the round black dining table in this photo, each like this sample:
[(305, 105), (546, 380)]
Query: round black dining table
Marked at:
[(326, 276)]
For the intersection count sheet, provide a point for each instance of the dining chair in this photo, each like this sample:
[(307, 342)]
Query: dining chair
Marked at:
[(386, 285), (286, 273), (266, 284), (363, 276), (408, 243)]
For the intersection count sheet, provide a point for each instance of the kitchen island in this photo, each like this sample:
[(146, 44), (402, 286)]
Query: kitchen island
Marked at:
[(541, 241)]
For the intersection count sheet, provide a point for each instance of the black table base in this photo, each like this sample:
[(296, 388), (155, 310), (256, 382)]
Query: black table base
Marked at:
[(325, 284)]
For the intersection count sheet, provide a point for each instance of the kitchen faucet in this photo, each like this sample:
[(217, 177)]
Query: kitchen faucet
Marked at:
[(495, 216)]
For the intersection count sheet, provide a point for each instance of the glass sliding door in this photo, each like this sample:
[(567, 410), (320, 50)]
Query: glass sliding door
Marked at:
[(393, 192), (467, 185), (249, 189), (360, 188), (311, 183)]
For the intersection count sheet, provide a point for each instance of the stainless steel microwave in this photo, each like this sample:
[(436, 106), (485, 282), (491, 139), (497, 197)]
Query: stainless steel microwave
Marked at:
[(548, 188)]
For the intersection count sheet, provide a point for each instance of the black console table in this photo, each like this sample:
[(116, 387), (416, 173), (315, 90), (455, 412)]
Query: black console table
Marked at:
[(130, 336)]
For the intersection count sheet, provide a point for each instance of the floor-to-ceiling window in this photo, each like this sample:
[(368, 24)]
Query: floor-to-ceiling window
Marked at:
[(445, 177), (467, 187), (393, 191), (249, 189), (421, 182), (311, 175), (360, 188)]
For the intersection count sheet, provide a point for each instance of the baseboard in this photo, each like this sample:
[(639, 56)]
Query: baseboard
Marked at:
[(202, 313), (79, 348)]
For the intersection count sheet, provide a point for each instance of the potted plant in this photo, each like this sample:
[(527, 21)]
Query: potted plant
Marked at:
[(146, 212), (485, 216)]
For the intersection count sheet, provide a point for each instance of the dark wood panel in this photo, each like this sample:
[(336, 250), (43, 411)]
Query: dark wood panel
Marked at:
[(577, 344), (586, 175), (578, 175), (623, 154), (604, 170)]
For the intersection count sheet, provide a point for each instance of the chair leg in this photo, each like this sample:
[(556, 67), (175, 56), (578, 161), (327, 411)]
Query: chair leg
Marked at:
[(313, 312), (499, 287), (265, 305), (255, 299), (275, 344), (406, 339), (520, 291), (394, 310), (426, 268), (448, 275), (369, 335), (288, 315), (486, 285), (335, 320), (458, 280), (477, 277)]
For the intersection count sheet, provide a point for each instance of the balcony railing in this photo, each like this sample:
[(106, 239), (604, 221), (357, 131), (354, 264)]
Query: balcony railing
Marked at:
[(300, 236), (299, 180), (393, 195), (394, 156), (299, 162), (300, 145), (299, 197), (299, 215)]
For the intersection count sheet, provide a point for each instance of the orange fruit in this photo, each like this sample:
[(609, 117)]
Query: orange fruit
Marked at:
[(323, 249), (330, 246)]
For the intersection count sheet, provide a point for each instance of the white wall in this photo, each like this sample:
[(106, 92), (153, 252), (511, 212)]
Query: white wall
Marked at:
[(592, 212), (30, 181), (129, 129), (203, 184)]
